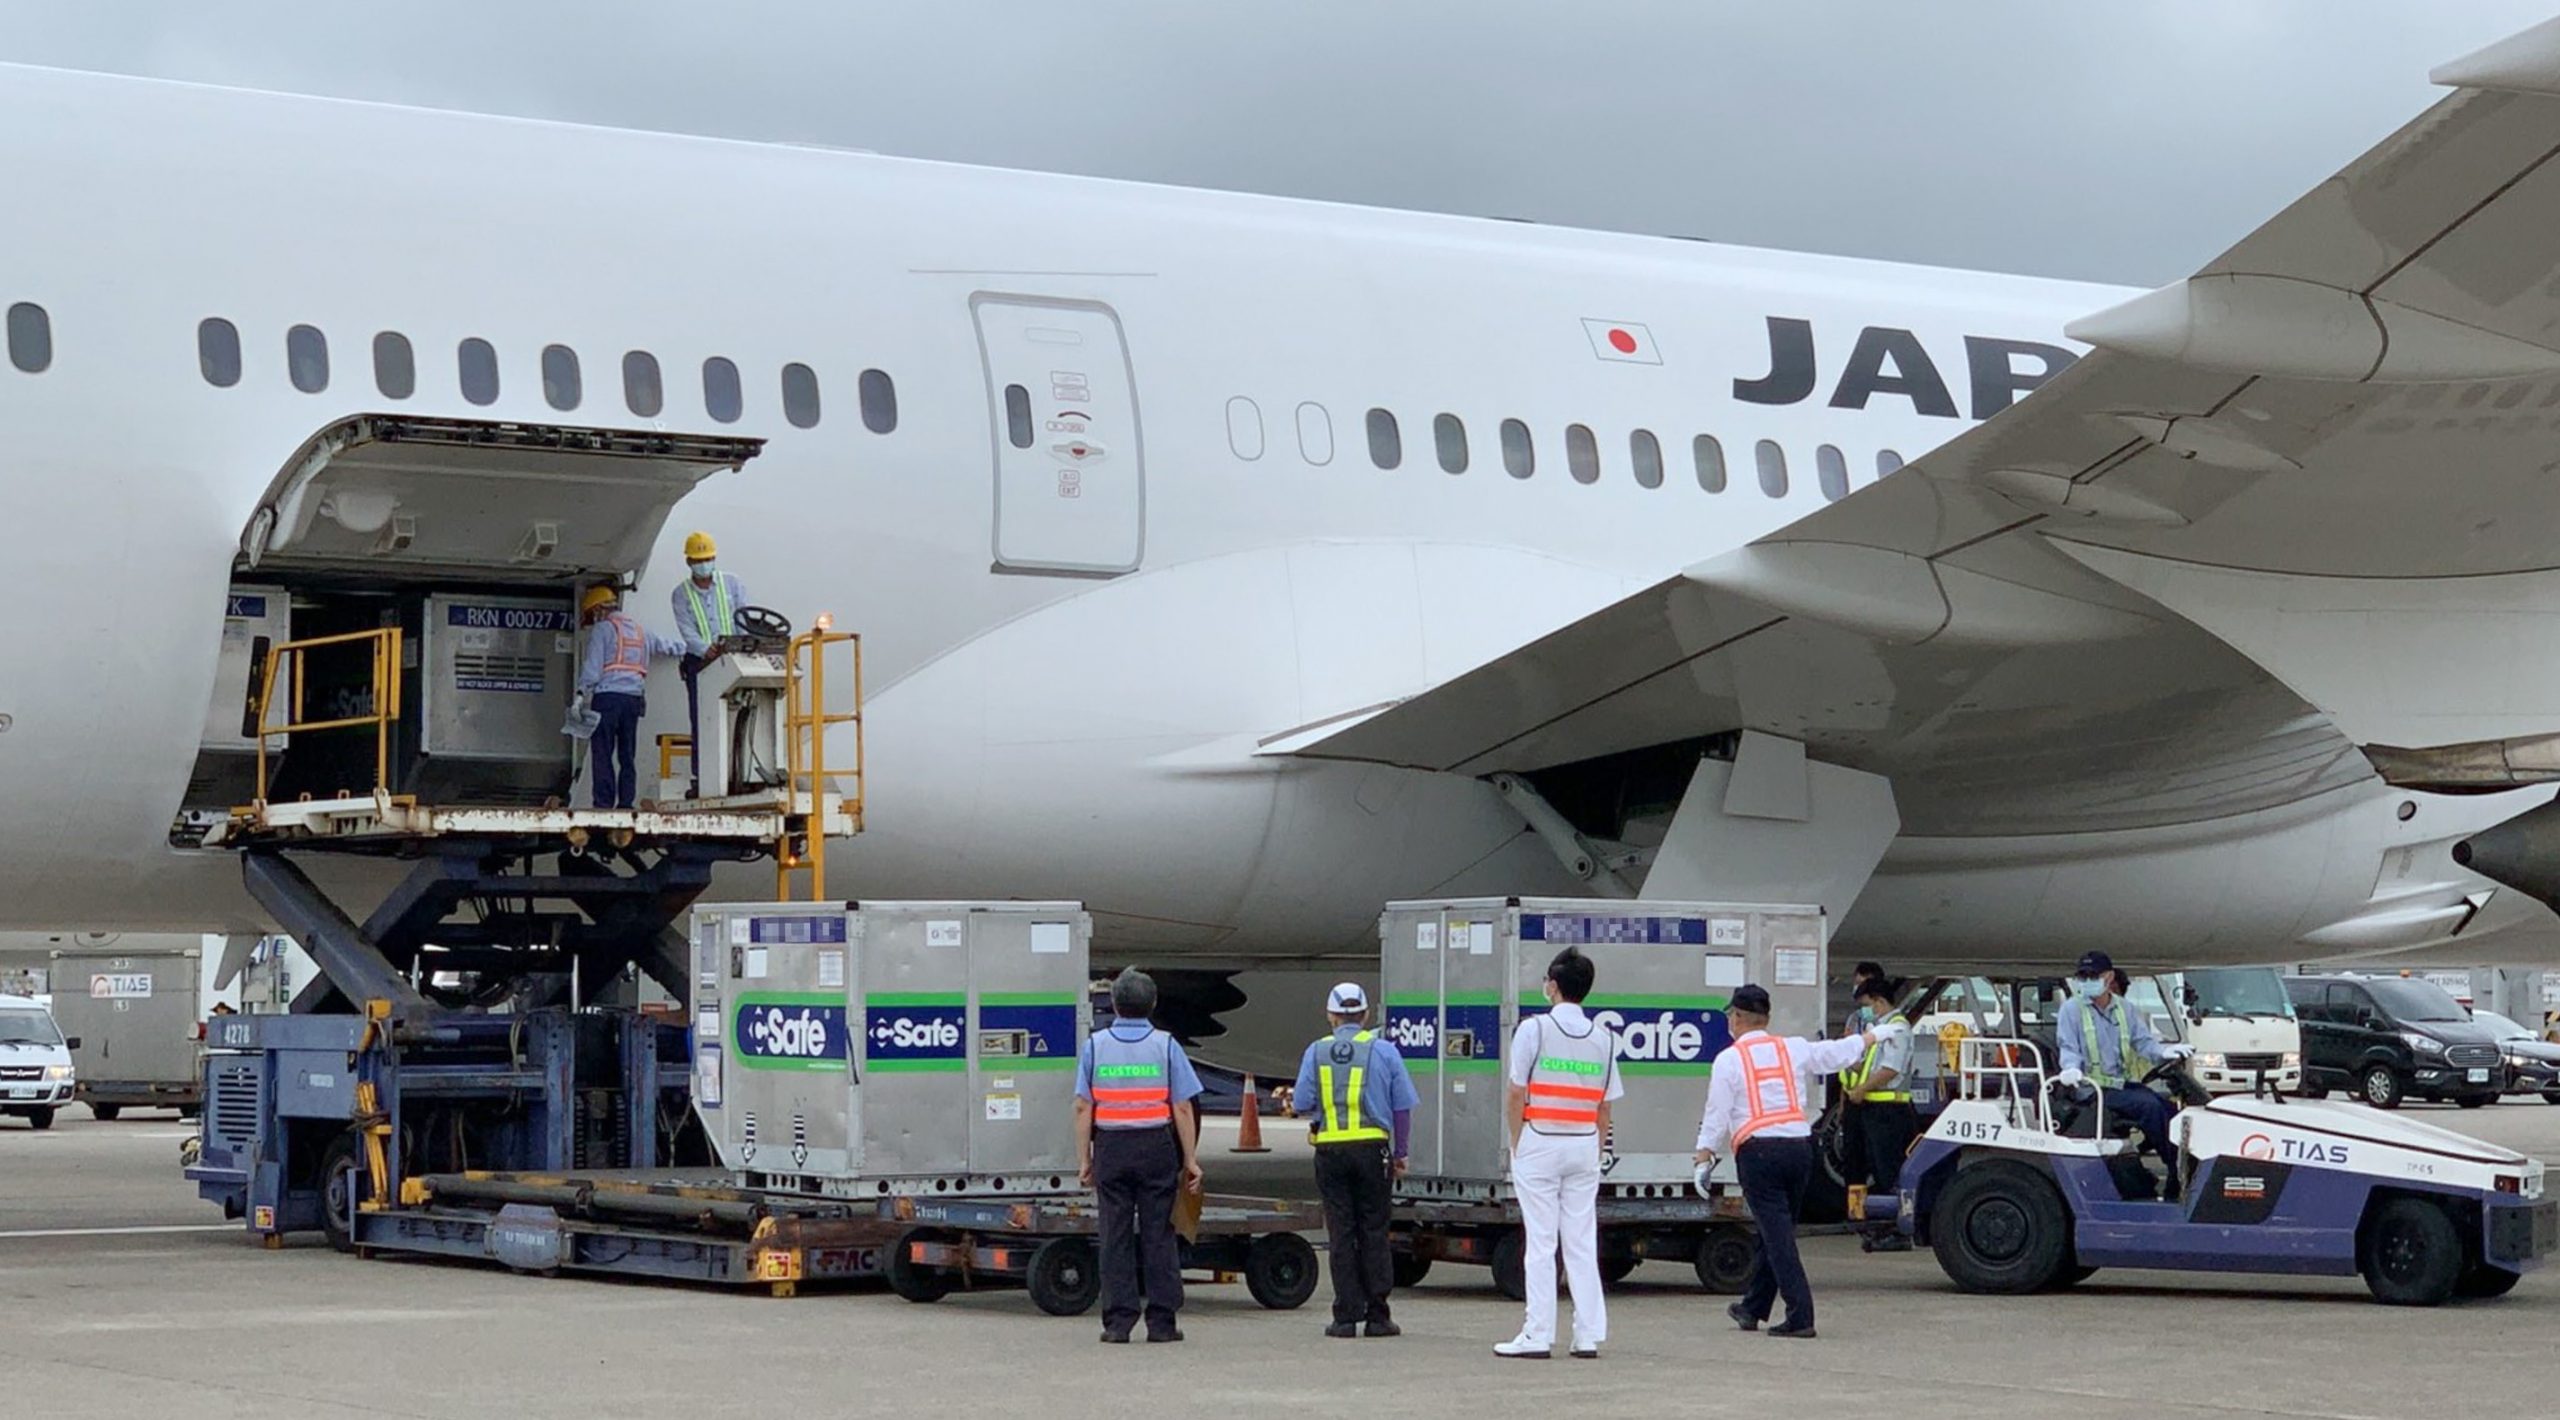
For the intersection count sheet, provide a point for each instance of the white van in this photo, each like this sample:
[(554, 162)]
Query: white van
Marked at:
[(2241, 1023), (35, 1062)]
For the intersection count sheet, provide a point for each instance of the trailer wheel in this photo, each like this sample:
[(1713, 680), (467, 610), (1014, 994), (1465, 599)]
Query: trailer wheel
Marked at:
[(1411, 1268), (1726, 1255), (1064, 1280), (2381, 1087), (2000, 1227), (1616, 1269), (2483, 1280), (2551, 1096), (105, 1113), (40, 1118), (343, 1182), (1511, 1265), (1280, 1271), (911, 1279), (2412, 1255)]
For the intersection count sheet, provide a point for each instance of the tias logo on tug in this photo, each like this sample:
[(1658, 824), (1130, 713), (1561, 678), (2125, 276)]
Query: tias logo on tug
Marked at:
[(791, 1032)]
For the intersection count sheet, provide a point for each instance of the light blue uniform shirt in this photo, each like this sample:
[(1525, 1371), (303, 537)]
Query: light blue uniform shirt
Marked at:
[(592, 675), (2066, 1025), (1386, 1088), (695, 643), (1184, 1080)]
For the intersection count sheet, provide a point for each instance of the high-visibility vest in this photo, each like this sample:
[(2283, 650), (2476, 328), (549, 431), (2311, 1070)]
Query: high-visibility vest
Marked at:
[(630, 646), (1857, 1074), (703, 625), (1342, 1069), (1132, 1081), (1770, 1091), (1568, 1077), (2131, 1068)]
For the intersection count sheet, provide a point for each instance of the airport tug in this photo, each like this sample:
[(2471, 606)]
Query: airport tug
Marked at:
[(2018, 1188)]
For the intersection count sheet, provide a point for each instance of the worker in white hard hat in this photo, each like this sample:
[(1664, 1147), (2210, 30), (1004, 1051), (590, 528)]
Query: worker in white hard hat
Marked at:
[(1360, 1103), (706, 606), (613, 670)]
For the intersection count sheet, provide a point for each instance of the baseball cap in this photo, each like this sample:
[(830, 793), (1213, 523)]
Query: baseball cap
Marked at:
[(1754, 999), (2096, 964), (1346, 999)]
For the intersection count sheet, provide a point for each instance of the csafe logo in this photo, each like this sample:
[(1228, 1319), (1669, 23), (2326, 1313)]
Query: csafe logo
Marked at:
[(916, 1034), (791, 1033)]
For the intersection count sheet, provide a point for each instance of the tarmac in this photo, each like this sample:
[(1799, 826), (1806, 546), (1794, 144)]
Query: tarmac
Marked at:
[(122, 1296)]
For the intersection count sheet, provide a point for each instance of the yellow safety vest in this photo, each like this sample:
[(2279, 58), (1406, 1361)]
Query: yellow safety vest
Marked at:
[(2134, 1067), (1342, 1067), (1856, 1075), (703, 624)]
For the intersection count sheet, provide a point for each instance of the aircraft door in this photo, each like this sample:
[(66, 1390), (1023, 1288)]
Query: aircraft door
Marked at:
[(1070, 494)]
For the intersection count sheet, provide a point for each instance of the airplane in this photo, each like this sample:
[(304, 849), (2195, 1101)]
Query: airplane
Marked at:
[(1237, 564)]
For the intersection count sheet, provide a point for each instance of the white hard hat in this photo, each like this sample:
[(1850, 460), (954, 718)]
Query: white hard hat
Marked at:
[(1347, 999)]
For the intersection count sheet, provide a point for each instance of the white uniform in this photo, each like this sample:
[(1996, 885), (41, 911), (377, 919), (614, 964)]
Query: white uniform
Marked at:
[(1556, 1170)]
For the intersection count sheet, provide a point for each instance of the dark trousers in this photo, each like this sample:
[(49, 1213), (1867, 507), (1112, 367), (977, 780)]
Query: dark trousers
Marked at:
[(614, 749), (692, 668), (1775, 1174), (2148, 1111), (1879, 1137), (1135, 1173), (1352, 1180)]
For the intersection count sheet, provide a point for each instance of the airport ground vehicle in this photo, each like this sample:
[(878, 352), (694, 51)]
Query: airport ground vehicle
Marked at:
[(36, 1071), (1046, 1245), (140, 1024), (2013, 1198), (2386, 1039), (2532, 1063), (2241, 1025)]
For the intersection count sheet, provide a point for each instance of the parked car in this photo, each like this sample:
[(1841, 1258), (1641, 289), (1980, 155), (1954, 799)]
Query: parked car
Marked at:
[(2533, 1064), (2388, 1038)]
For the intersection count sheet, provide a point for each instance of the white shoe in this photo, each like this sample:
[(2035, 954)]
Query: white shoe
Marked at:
[(1521, 1348), (1585, 1350)]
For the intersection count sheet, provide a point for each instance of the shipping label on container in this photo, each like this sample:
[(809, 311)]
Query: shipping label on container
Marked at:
[(778, 1030), (918, 1032), (1660, 1035), (245, 608), (795, 931), (509, 618), (120, 986), (1594, 928)]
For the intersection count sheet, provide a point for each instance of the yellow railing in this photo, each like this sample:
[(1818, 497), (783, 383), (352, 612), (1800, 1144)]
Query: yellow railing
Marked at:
[(806, 720), (386, 698)]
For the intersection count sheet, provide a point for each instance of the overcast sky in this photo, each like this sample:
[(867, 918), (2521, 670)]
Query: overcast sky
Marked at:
[(2118, 142)]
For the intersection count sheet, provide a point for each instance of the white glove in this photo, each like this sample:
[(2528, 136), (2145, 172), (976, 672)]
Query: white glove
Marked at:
[(2179, 1051), (2071, 1079), (1699, 1175)]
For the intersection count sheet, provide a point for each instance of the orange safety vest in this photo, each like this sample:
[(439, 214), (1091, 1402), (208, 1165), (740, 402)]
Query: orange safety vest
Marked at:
[(1132, 1081), (630, 646), (1769, 1088)]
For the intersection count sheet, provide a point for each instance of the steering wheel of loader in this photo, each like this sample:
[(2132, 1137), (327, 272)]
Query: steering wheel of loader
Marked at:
[(2182, 1085), (763, 623)]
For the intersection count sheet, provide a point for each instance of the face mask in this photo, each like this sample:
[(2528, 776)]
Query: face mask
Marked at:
[(2089, 987), (702, 570)]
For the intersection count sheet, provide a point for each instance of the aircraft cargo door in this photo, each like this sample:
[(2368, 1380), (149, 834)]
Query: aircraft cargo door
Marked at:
[(1070, 471)]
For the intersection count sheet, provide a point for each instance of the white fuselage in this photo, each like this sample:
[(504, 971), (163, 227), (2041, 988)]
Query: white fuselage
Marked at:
[(1086, 733)]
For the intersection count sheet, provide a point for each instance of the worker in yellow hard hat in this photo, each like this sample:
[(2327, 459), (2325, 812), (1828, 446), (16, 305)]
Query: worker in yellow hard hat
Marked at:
[(706, 606), (613, 670)]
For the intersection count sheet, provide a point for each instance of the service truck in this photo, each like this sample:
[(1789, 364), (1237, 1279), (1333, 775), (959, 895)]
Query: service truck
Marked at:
[(139, 1028)]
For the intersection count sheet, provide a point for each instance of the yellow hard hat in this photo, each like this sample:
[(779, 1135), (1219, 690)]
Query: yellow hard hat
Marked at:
[(698, 547), (596, 596)]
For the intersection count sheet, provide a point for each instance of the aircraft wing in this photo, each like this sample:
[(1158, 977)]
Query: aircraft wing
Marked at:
[(2040, 627)]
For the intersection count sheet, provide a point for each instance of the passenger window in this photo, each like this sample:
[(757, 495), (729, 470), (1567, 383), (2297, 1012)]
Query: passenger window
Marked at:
[(479, 362), (218, 351), (1832, 468), (561, 386), (879, 396), (1017, 416), (1773, 468), (1709, 456), (1449, 439), (1315, 433), (800, 396), (1519, 456), (1645, 451), (395, 365), (1581, 453), (1244, 428), (721, 398), (643, 388), (1887, 461), (1386, 440), (306, 358), (30, 337)]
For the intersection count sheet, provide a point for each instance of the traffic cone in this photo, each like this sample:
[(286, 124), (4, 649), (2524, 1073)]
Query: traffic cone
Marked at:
[(1249, 1126)]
